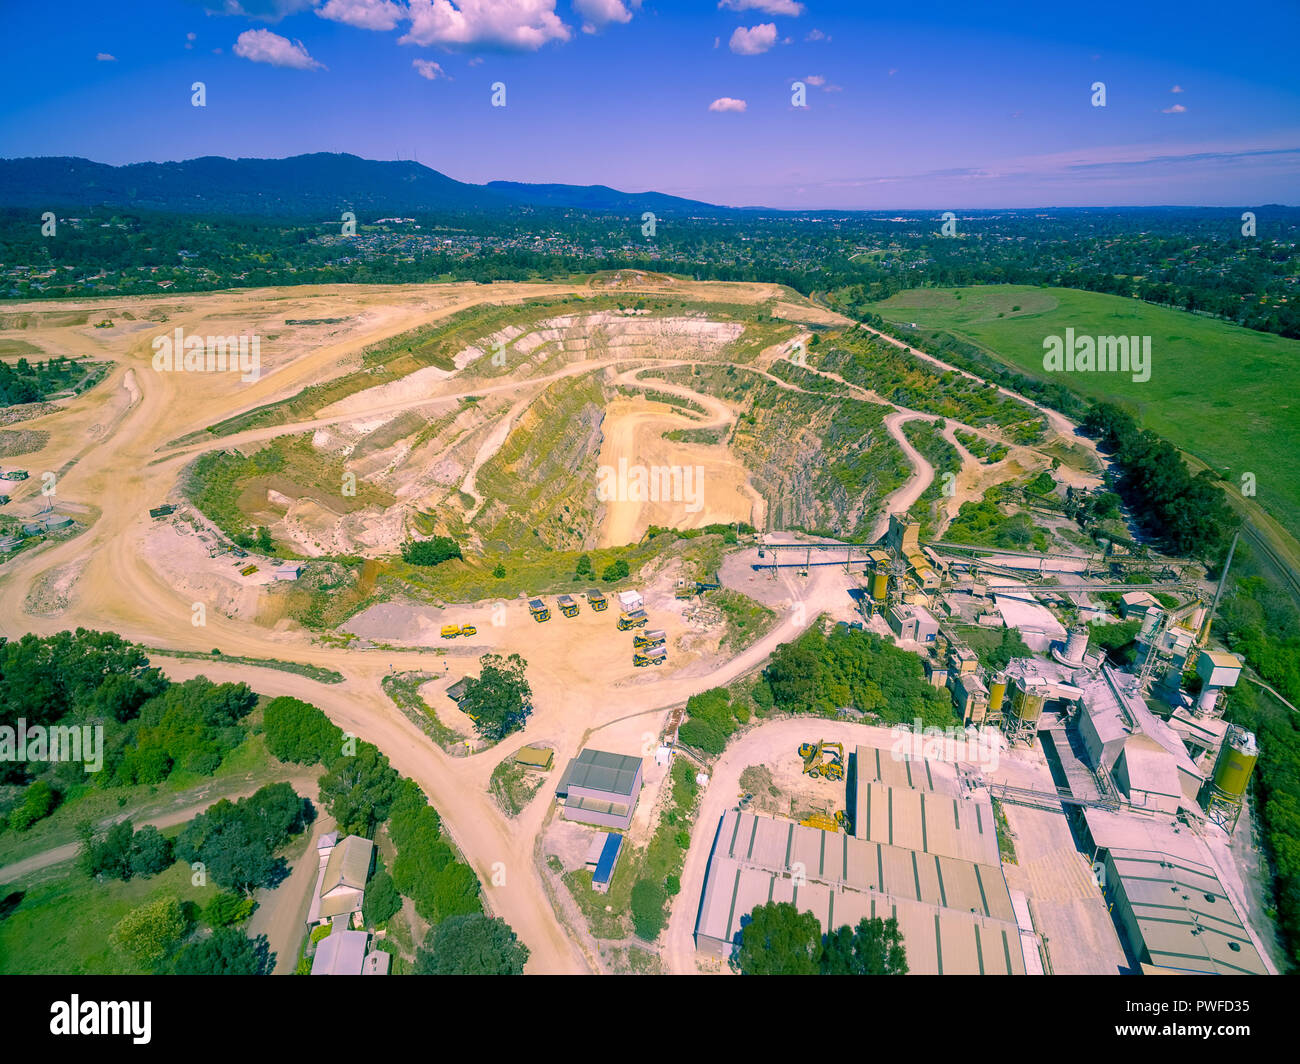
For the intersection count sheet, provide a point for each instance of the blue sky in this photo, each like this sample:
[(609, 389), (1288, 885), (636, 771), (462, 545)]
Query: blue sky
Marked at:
[(934, 105)]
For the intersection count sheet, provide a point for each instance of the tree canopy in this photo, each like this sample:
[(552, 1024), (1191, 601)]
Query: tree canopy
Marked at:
[(499, 698), (472, 944)]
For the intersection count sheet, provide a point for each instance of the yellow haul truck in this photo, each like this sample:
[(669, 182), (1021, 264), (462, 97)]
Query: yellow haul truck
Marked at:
[(645, 640), (567, 606), (539, 611), (596, 599), (653, 656), (635, 619)]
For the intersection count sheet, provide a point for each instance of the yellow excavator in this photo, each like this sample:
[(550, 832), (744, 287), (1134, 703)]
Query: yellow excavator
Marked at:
[(823, 759)]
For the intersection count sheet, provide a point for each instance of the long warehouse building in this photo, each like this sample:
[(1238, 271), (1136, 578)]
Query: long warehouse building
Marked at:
[(956, 915)]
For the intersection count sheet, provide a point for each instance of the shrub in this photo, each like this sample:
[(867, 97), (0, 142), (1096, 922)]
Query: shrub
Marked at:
[(648, 899), (433, 551)]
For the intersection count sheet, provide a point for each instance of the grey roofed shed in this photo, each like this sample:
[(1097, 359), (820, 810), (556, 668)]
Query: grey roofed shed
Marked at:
[(598, 770)]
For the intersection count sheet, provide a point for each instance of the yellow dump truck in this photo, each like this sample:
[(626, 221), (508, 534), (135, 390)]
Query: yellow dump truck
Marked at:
[(596, 600), (635, 619), (567, 606), (656, 637), (451, 631), (539, 610), (652, 656)]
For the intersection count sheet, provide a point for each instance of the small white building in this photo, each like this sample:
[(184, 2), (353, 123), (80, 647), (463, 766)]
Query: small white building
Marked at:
[(630, 600), (289, 571)]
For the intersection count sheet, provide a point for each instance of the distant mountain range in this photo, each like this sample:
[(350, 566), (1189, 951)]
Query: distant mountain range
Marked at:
[(303, 185)]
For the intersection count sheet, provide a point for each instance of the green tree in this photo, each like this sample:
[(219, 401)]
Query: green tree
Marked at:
[(779, 940), (297, 731), (584, 565), (151, 852), (874, 947), (472, 945), (359, 789), (150, 932), (500, 698), (616, 570), (225, 952), (107, 855), (433, 551), (264, 541), (226, 910), (39, 801), (382, 901)]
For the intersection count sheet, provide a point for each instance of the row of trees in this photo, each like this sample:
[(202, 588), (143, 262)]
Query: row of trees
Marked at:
[(361, 790), (1186, 514), (780, 939)]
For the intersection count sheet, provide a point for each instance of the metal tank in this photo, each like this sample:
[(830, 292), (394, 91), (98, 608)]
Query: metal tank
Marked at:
[(880, 585), (1077, 644), (1027, 703), (1236, 762), (997, 692)]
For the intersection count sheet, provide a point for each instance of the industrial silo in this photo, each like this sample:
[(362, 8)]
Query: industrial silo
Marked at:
[(1027, 703), (880, 584), (997, 692), (1236, 762)]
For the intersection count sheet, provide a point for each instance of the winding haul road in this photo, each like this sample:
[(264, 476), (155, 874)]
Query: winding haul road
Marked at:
[(112, 446)]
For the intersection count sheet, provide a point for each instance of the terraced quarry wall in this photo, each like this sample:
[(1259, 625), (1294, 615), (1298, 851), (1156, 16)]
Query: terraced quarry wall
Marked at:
[(820, 462)]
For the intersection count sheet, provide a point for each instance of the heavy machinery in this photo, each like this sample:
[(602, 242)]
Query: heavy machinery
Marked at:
[(656, 637), (248, 570), (842, 819), (567, 606), (685, 589), (652, 656), (451, 631), (823, 759), (539, 610), (635, 619), (596, 600)]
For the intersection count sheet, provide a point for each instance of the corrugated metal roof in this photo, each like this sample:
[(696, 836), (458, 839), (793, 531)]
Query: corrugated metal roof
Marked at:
[(608, 858), (931, 823), (598, 770), (341, 953), (348, 865), (1184, 915)]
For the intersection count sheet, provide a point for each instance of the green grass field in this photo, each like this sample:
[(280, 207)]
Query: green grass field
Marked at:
[(1220, 392), (61, 926)]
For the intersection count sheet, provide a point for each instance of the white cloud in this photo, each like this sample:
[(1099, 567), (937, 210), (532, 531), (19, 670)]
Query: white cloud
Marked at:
[(519, 25), (1176, 88), (753, 41), (599, 13), (1177, 109), (768, 7), (815, 79), (364, 14), (104, 57), (429, 70), (816, 35), (263, 46), (726, 103)]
